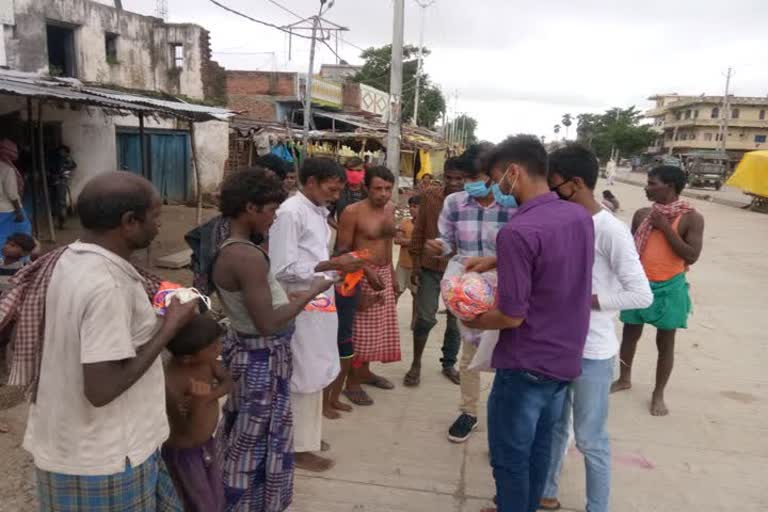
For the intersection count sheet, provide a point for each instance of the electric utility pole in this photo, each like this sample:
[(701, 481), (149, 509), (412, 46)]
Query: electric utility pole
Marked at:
[(725, 112), (423, 4), (395, 91), (313, 24)]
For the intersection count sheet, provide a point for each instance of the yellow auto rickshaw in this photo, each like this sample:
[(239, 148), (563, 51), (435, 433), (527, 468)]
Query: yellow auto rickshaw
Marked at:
[(751, 176)]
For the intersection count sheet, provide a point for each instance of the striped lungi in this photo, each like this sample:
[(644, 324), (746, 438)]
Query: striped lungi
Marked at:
[(144, 488), (376, 336), (255, 436)]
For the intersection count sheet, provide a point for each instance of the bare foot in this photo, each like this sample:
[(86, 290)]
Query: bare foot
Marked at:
[(311, 462), (658, 407), (620, 385), (413, 377), (330, 413), (341, 406)]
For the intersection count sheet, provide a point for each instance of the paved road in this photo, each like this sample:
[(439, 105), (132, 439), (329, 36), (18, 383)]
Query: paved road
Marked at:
[(709, 455), (728, 196)]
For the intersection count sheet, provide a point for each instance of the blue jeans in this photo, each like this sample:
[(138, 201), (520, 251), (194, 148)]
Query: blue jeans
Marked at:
[(587, 399), (522, 410)]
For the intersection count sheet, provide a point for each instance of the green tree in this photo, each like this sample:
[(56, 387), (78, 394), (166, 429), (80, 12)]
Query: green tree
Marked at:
[(615, 128), (375, 72), (556, 129), (464, 124)]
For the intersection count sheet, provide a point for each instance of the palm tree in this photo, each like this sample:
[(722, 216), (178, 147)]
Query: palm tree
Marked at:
[(567, 122), (557, 129)]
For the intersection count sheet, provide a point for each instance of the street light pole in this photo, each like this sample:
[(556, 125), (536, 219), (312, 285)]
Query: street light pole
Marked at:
[(395, 91), (423, 5)]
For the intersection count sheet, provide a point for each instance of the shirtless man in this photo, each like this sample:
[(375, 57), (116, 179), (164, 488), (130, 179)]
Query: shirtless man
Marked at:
[(370, 225), (669, 237)]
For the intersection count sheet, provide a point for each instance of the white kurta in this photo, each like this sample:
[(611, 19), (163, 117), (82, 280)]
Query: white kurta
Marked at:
[(298, 241)]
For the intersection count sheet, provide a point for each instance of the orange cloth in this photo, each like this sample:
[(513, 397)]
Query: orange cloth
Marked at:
[(660, 262), (404, 260)]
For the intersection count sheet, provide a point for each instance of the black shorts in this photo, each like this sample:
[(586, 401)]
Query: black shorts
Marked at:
[(345, 309)]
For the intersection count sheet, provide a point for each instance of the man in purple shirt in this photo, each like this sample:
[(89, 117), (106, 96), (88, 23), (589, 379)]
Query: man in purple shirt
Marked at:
[(545, 255)]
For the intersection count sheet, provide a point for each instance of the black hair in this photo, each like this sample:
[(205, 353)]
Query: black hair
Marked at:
[(670, 175), (101, 208), (275, 164), (23, 240), (253, 185), (526, 150), (65, 148), (198, 334), (471, 162), (575, 161), (608, 194), (378, 171), (451, 164), (353, 162), (322, 169), (414, 201)]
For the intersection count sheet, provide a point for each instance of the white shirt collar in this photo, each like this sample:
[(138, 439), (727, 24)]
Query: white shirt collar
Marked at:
[(322, 210), (122, 264)]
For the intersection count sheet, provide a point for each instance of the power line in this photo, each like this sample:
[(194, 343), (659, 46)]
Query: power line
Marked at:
[(281, 6), (260, 22)]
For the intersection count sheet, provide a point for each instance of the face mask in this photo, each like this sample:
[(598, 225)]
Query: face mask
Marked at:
[(355, 177), (562, 196), (476, 189), (502, 199)]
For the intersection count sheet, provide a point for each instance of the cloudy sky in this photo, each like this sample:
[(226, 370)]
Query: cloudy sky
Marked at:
[(519, 65)]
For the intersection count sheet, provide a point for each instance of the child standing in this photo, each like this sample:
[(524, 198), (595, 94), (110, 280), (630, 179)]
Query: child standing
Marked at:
[(195, 380), (16, 249), (403, 239)]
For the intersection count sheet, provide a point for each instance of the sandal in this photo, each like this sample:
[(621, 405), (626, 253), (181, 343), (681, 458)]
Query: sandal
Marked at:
[(379, 382), (549, 504), (358, 397), (412, 379)]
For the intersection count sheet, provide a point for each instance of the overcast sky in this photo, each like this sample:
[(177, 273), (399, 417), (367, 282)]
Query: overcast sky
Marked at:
[(518, 65)]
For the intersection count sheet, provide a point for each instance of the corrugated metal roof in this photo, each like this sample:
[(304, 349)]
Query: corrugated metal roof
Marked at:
[(189, 109), (25, 84), (18, 86)]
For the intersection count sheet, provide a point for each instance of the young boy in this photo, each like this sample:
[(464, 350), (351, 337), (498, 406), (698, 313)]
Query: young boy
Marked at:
[(17, 247), (195, 380), (403, 239)]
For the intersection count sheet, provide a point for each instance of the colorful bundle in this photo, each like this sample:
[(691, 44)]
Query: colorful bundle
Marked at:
[(468, 296), (168, 290)]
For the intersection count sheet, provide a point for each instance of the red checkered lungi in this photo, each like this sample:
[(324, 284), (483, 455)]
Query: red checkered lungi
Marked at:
[(376, 336)]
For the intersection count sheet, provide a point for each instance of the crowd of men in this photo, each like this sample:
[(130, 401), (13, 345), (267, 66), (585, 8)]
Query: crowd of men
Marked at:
[(308, 288)]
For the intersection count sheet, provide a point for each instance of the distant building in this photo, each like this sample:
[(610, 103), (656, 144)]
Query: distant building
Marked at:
[(129, 58), (339, 72), (278, 96), (692, 123)]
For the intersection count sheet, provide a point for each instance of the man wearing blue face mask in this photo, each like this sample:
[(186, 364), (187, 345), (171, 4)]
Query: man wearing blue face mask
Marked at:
[(468, 225)]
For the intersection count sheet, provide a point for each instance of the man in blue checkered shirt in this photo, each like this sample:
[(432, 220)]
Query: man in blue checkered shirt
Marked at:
[(468, 225)]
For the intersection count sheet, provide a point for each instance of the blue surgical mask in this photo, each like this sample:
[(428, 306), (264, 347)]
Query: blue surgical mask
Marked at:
[(476, 189), (502, 199)]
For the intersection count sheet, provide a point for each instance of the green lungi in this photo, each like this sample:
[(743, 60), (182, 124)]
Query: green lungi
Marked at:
[(670, 309)]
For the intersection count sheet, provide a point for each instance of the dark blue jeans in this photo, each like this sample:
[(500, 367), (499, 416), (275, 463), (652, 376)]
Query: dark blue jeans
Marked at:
[(522, 410)]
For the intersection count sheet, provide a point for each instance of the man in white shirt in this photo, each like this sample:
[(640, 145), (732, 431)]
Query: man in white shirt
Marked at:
[(298, 251), (99, 416), (618, 283)]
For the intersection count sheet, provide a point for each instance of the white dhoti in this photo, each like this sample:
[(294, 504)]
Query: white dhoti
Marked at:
[(307, 411)]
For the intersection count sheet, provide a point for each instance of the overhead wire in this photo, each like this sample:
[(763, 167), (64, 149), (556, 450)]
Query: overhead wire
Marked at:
[(255, 20)]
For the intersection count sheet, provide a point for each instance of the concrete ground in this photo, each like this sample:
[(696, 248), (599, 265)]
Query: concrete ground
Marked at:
[(710, 454), (727, 196)]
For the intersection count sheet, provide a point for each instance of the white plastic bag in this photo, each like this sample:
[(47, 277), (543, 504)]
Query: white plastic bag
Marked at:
[(482, 359)]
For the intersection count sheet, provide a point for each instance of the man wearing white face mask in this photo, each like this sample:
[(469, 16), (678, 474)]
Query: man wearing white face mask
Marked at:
[(468, 225)]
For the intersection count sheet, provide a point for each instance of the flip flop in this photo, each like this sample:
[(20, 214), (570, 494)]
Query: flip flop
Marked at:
[(411, 380), (358, 397), (380, 382)]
